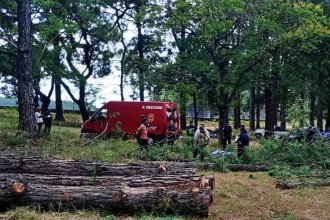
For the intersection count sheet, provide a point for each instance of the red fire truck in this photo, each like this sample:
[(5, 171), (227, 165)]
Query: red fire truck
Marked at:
[(125, 117)]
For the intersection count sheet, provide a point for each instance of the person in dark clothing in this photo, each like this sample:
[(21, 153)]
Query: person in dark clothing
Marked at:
[(310, 134), (227, 132), (47, 116), (242, 142), (171, 133), (191, 128)]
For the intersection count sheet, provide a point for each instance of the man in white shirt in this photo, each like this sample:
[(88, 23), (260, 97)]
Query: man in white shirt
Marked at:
[(39, 119), (201, 139)]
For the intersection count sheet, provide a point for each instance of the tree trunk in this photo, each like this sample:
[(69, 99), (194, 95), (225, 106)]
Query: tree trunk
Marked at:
[(283, 117), (222, 119), (252, 108), (327, 122), (320, 107), (312, 109), (169, 181), (121, 198), (234, 167), (140, 51), (27, 122), (44, 166), (195, 109), (270, 107), (237, 112), (318, 183), (258, 107), (183, 111), (58, 102), (237, 117)]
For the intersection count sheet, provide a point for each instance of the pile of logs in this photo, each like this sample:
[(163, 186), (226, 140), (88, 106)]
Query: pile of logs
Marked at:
[(157, 187)]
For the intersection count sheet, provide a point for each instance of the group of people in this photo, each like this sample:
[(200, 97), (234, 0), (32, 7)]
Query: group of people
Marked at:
[(142, 133), (45, 118), (201, 137)]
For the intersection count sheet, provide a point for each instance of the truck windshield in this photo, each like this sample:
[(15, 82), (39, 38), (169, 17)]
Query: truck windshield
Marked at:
[(101, 114)]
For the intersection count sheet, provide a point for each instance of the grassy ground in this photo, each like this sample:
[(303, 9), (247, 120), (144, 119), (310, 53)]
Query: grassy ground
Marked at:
[(239, 195)]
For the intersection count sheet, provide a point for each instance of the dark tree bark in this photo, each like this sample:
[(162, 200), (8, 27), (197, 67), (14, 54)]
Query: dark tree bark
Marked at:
[(320, 107), (44, 166), (183, 110), (327, 122), (169, 181), (140, 45), (252, 108), (258, 107), (195, 109), (27, 122), (270, 106), (319, 183), (129, 200), (283, 116), (312, 109), (45, 99), (237, 113), (59, 116)]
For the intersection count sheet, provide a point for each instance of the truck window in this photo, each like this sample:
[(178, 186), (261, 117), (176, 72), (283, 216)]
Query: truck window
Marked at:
[(101, 114), (169, 114)]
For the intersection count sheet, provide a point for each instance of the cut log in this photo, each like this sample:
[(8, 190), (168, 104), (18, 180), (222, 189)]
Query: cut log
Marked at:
[(171, 181), (119, 198), (318, 183), (39, 165)]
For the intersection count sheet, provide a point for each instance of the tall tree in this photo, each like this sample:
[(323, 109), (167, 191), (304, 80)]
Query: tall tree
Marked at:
[(25, 81)]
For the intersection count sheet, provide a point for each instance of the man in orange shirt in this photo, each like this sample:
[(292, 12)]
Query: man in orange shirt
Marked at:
[(142, 134)]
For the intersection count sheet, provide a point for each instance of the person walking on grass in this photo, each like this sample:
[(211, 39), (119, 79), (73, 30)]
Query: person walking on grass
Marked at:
[(47, 117), (242, 141), (39, 120), (227, 132), (171, 133), (142, 134), (201, 139)]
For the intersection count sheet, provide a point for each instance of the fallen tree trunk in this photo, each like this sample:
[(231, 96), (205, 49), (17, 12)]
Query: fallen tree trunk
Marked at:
[(211, 166), (170, 181), (125, 199), (40, 165), (318, 183), (235, 167)]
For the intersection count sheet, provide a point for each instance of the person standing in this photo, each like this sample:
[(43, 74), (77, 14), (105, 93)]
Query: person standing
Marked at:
[(171, 133), (227, 132), (242, 141), (310, 134), (47, 117), (39, 120), (142, 134), (201, 139)]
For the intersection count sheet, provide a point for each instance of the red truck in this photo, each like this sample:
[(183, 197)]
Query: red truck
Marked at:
[(125, 117)]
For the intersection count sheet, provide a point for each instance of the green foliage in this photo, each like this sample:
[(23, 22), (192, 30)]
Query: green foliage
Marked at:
[(298, 112)]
